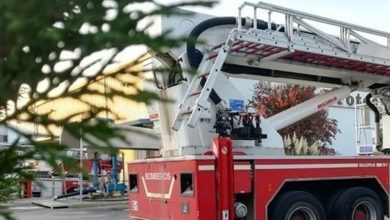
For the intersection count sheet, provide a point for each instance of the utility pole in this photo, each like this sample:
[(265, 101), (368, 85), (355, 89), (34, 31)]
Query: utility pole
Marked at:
[(81, 166)]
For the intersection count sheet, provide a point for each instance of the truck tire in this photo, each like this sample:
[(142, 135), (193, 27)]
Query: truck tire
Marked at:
[(297, 205), (357, 203)]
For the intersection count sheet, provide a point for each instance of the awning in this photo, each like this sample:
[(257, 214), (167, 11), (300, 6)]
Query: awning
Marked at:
[(137, 139)]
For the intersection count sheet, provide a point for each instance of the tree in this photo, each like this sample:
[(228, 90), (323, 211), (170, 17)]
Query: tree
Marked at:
[(315, 131), (46, 47)]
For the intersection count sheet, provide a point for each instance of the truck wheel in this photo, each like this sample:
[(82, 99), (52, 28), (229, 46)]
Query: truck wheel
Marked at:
[(358, 203), (297, 205)]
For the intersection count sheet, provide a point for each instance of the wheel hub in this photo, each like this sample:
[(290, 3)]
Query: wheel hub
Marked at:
[(302, 213), (364, 211)]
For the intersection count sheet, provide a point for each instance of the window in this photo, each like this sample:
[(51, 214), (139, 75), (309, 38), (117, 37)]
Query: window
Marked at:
[(3, 138), (186, 184), (133, 183)]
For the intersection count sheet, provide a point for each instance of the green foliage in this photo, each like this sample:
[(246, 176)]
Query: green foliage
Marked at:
[(35, 37)]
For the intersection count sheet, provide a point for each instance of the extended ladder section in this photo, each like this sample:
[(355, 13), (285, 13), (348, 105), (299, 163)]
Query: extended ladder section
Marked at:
[(299, 49), (300, 41)]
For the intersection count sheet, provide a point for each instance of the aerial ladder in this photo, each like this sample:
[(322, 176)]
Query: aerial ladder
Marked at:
[(296, 46), (222, 161)]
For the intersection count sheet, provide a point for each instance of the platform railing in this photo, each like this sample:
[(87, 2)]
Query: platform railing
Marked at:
[(343, 41)]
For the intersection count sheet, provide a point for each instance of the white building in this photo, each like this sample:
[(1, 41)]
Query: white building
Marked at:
[(9, 136)]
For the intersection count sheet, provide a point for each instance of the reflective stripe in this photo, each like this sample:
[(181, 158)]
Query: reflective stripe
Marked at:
[(206, 167), (159, 195), (305, 166), (242, 167)]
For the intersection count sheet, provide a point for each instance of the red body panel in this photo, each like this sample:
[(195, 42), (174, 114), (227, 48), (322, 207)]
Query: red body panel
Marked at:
[(70, 185), (269, 175), (242, 177), (27, 189), (160, 195)]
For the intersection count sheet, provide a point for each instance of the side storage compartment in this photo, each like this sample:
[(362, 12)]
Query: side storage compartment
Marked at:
[(172, 189)]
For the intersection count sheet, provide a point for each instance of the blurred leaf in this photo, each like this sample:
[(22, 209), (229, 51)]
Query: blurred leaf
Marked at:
[(52, 50)]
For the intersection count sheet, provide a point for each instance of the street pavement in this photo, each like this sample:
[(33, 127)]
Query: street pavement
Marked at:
[(86, 213), (23, 209)]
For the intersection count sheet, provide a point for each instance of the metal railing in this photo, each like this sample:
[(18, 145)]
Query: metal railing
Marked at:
[(293, 16)]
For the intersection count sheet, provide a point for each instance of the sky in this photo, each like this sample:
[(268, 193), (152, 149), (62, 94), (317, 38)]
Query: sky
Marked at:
[(374, 13)]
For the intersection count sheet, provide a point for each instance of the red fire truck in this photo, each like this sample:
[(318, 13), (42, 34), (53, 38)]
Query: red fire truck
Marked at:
[(221, 160)]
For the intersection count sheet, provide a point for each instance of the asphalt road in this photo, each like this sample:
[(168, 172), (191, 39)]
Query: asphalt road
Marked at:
[(32, 212)]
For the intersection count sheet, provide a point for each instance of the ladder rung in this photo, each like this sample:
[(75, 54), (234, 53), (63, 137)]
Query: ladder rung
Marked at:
[(197, 92), (253, 45), (256, 49), (366, 127), (218, 46), (188, 112), (240, 46), (203, 75), (212, 56), (236, 42)]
